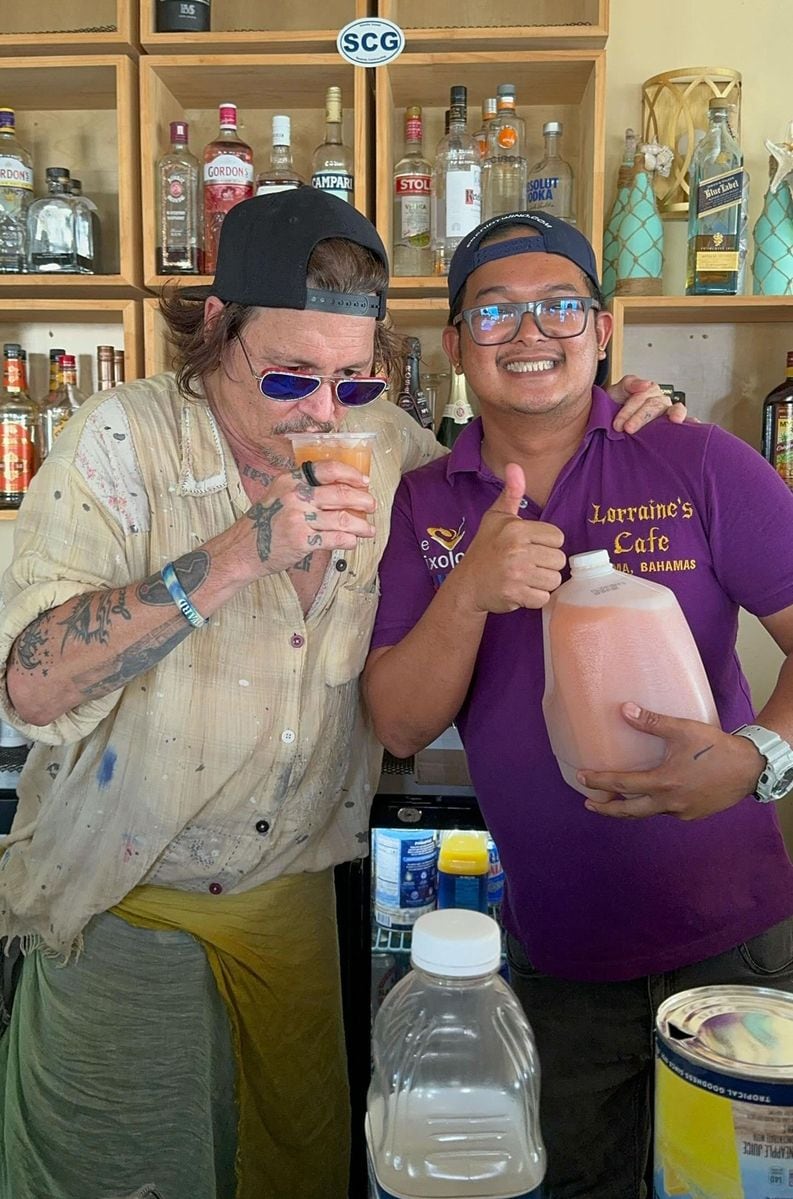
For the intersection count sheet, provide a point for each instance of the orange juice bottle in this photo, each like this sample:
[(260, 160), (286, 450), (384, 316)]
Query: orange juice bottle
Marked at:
[(610, 637), (463, 870)]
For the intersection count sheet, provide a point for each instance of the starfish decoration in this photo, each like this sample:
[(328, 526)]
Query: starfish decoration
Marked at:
[(783, 153)]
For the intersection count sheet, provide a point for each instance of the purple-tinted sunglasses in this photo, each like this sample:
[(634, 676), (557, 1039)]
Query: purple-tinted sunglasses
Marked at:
[(291, 386)]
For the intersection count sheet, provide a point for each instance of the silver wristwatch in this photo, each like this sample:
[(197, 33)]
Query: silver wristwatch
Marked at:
[(777, 777)]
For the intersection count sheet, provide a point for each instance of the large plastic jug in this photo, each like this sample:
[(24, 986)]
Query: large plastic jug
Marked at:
[(452, 1109), (463, 870), (610, 637)]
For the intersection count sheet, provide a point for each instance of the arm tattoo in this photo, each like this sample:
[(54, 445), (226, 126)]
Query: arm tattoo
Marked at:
[(262, 516), (29, 648), (80, 625), (134, 660), (304, 564), (191, 570)]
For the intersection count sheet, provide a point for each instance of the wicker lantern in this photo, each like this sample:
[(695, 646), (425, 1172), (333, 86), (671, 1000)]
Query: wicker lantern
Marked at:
[(675, 114)]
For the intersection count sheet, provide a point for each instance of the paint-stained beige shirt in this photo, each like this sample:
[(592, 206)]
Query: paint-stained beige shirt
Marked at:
[(245, 753)]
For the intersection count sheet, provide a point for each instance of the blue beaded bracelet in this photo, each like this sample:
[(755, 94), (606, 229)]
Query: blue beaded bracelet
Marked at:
[(179, 597)]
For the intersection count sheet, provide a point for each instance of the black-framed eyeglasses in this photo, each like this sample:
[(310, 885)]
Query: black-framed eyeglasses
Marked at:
[(290, 386), (562, 316)]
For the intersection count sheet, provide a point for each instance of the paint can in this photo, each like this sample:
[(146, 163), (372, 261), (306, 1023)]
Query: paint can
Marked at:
[(724, 1094)]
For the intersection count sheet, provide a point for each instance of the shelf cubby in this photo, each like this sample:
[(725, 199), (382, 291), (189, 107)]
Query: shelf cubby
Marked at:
[(251, 27), (75, 27)]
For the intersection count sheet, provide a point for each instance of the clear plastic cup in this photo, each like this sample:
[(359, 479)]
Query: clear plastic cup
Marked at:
[(355, 449)]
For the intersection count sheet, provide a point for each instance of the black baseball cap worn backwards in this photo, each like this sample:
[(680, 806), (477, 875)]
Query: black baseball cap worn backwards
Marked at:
[(550, 235), (264, 248)]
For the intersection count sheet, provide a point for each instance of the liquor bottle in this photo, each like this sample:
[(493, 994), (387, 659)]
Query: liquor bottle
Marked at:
[(105, 380), (332, 161), (489, 109), (772, 265), (178, 209), (18, 418), (16, 194), (55, 409), (55, 374), (504, 169), (280, 176), (550, 182), (67, 387), (183, 16), (228, 179), (458, 411), (716, 200), (611, 236), (412, 398), (456, 184), (412, 190), (119, 372), (52, 240), (778, 426), (640, 261), (87, 230)]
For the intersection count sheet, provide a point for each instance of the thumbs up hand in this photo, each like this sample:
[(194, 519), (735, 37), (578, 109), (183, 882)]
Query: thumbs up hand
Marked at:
[(512, 563)]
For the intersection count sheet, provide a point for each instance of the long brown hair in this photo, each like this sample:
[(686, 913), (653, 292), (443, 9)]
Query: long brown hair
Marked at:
[(335, 265)]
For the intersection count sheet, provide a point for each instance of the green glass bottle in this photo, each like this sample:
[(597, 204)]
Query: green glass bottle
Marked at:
[(458, 411)]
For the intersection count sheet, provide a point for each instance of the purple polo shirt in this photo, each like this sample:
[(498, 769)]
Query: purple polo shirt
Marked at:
[(689, 506)]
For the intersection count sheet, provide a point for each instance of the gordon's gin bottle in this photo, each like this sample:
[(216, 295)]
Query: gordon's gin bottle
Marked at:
[(228, 178), (611, 638)]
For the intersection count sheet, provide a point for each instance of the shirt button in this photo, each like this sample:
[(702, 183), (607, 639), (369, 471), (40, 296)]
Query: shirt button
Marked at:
[(262, 826), (215, 888), (297, 641), (341, 565), (288, 736), (524, 503)]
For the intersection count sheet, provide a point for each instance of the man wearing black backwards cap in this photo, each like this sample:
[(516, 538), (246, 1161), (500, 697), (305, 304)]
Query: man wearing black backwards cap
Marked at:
[(183, 628), (606, 917)]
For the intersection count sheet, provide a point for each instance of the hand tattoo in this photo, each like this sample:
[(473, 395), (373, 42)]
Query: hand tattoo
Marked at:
[(191, 571), (304, 564), (260, 476), (700, 752), (262, 516)]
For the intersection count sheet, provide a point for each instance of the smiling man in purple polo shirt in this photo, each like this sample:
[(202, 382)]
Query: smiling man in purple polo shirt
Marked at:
[(606, 917)]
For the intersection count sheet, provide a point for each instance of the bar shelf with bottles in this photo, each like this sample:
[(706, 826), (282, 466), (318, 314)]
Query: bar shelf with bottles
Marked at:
[(544, 24), (76, 27), (564, 85), (187, 88), (252, 27), (81, 113)]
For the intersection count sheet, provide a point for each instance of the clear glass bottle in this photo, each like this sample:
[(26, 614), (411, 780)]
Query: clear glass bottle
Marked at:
[(504, 169), (281, 175), (550, 183), (715, 209), (332, 161), (87, 230), (18, 430), (16, 195), (183, 16), (52, 241), (412, 396), (55, 409), (104, 368), (178, 177), (457, 413), (778, 425), (227, 179), (412, 190), (489, 110), (456, 184)]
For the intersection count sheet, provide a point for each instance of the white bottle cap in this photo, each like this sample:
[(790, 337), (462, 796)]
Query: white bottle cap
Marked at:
[(456, 943), (282, 128), (593, 562)]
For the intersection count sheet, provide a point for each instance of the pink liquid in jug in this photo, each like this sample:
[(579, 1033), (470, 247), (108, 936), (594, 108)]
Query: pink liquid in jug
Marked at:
[(611, 638)]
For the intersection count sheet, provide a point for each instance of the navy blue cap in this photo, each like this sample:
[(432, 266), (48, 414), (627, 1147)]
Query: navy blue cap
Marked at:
[(549, 235)]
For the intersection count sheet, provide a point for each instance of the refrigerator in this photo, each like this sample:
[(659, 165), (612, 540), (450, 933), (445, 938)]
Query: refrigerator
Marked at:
[(431, 791)]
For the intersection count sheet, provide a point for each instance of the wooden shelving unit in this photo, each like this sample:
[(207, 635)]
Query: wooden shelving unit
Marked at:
[(75, 27), (507, 25)]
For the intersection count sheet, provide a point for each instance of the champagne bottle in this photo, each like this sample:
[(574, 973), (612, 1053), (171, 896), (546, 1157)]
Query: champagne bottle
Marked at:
[(458, 412)]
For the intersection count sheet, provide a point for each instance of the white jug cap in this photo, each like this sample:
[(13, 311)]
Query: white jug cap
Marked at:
[(457, 943), (593, 562)]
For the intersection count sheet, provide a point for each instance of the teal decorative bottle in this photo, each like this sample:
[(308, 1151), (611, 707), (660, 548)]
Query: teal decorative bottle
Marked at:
[(611, 236), (640, 261), (772, 267)]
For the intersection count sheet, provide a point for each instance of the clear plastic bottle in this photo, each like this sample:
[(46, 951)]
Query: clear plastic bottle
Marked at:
[(453, 1104), (550, 183), (609, 638)]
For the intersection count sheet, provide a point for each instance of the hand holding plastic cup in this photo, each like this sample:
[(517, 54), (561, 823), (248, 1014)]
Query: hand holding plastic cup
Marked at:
[(353, 449)]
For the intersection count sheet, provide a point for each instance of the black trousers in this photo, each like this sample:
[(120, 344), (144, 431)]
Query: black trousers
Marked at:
[(595, 1044)]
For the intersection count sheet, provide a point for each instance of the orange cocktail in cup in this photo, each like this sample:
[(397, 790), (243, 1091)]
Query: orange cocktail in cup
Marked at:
[(354, 449)]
